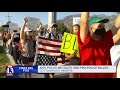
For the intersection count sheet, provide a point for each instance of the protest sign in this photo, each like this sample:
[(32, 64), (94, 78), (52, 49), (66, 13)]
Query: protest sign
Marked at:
[(76, 20), (33, 23), (13, 26), (69, 43)]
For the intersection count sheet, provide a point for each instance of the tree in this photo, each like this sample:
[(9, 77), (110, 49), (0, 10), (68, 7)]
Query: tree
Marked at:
[(1, 28), (62, 27), (8, 22)]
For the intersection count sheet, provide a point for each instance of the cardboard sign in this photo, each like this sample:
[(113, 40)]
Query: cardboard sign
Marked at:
[(13, 26), (33, 23), (6, 28), (69, 43), (76, 20)]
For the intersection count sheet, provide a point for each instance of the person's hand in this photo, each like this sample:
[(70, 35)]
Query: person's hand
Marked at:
[(40, 27), (37, 37), (13, 45), (12, 34), (40, 24), (75, 52), (25, 19)]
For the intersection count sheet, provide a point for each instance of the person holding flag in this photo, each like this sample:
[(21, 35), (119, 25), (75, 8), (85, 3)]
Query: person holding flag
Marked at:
[(46, 49)]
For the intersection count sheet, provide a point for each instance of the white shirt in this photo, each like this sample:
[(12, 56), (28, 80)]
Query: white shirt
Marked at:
[(115, 54)]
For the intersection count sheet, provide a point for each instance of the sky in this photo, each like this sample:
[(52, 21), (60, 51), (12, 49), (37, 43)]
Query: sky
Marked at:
[(17, 17)]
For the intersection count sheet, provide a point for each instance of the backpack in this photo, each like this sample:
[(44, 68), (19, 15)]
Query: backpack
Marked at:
[(55, 37), (16, 38)]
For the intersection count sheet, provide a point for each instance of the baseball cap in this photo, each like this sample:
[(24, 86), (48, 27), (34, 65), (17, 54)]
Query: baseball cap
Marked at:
[(15, 30), (97, 20), (5, 25), (54, 25), (27, 29)]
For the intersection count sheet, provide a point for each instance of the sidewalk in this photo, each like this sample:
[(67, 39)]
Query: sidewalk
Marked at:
[(21, 75)]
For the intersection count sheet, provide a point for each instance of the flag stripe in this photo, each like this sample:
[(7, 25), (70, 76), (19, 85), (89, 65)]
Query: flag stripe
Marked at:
[(60, 56), (49, 48), (51, 51), (51, 45), (49, 42), (50, 39), (61, 61), (47, 53)]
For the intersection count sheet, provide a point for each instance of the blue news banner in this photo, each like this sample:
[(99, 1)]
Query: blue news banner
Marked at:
[(25, 69), (21, 69), (13, 70)]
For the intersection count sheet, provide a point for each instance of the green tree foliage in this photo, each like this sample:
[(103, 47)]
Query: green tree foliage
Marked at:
[(1, 28), (62, 27), (8, 22)]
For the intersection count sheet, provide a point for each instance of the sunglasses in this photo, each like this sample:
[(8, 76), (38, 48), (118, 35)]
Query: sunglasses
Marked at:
[(101, 26)]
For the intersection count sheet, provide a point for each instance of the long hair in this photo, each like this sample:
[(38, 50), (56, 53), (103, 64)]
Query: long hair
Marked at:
[(25, 36), (73, 26)]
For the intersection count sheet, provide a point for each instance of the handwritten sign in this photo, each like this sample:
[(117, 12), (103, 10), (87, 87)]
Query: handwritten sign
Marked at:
[(69, 43), (6, 28), (13, 26), (33, 23), (76, 20)]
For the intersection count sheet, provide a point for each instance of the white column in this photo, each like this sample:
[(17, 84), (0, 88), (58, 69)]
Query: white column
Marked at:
[(52, 16)]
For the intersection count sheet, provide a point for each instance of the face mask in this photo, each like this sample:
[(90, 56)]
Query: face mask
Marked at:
[(53, 30), (100, 32)]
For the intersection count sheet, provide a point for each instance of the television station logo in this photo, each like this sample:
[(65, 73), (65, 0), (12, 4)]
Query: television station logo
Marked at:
[(9, 70)]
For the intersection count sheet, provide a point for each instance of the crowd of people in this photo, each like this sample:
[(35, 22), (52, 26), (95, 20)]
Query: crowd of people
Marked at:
[(94, 43)]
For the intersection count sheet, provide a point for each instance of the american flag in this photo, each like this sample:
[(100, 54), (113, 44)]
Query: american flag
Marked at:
[(50, 47)]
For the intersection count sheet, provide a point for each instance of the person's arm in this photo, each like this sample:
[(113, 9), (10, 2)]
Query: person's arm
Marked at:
[(116, 25), (22, 34), (116, 37), (69, 56), (40, 27), (11, 39), (116, 29), (38, 30), (84, 25)]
